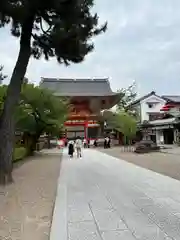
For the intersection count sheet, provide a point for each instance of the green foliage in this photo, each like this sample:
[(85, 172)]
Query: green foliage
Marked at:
[(3, 89), (42, 109), (2, 76), (122, 122), (38, 112), (126, 124), (19, 153), (58, 28), (127, 96)]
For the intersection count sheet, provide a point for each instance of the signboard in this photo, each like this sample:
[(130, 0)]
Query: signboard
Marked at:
[(75, 128), (81, 122), (93, 125), (78, 122), (80, 109)]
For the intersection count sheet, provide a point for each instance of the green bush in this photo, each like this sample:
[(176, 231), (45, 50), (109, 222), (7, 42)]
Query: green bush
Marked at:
[(19, 153)]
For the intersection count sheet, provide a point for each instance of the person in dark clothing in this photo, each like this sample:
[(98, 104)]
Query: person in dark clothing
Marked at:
[(71, 149), (109, 143), (88, 142), (95, 143), (105, 143), (85, 143)]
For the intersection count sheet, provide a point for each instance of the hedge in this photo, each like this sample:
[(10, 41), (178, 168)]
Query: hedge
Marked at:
[(19, 153)]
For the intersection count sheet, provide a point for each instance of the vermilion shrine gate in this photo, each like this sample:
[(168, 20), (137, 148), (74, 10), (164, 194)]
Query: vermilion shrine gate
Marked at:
[(88, 97)]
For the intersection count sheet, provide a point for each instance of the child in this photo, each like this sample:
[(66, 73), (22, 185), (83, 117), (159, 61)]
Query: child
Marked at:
[(71, 149)]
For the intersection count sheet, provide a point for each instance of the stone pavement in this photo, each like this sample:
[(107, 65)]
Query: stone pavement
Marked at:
[(103, 198)]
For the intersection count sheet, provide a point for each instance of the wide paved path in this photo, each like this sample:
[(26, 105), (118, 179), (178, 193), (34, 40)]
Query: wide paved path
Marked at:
[(104, 198)]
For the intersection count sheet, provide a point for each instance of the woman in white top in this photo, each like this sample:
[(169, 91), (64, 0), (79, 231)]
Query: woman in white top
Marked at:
[(78, 145)]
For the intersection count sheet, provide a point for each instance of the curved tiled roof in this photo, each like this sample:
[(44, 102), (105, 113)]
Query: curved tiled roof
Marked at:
[(78, 87), (172, 98)]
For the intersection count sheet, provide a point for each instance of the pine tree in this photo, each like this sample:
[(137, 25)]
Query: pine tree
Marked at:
[(49, 28)]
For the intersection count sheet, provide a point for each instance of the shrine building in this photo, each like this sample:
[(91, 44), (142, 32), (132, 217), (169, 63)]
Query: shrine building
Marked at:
[(87, 97)]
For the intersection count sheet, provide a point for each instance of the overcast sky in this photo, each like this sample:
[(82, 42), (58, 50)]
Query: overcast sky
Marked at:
[(142, 44)]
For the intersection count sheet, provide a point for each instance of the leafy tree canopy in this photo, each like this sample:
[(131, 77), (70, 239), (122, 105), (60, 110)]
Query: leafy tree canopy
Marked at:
[(127, 96), (126, 124), (60, 28), (40, 111), (124, 119), (122, 122)]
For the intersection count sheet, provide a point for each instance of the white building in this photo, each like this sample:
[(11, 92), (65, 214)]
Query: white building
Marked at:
[(148, 108)]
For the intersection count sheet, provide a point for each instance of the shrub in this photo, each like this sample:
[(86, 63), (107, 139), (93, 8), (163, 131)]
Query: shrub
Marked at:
[(19, 153)]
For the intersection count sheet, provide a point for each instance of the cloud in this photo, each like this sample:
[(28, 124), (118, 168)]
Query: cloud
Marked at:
[(142, 44)]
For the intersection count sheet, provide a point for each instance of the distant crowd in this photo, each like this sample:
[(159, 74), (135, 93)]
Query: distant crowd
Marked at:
[(78, 144)]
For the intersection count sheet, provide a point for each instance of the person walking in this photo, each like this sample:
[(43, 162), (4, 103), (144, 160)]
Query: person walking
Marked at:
[(95, 143), (106, 142), (85, 143), (71, 148), (88, 143), (79, 147), (109, 143)]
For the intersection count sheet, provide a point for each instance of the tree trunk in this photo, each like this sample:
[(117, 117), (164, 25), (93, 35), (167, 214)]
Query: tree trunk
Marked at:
[(7, 127), (33, 143)]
